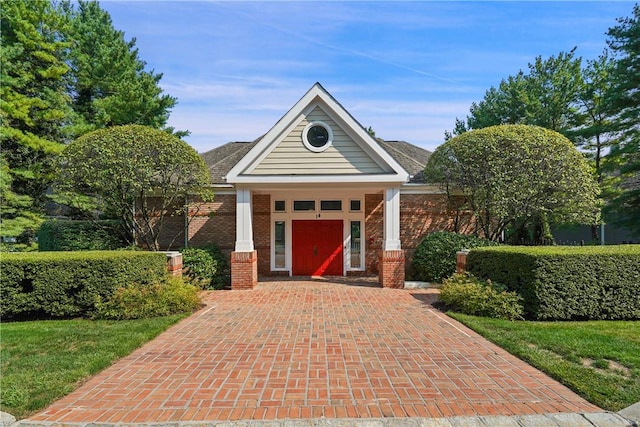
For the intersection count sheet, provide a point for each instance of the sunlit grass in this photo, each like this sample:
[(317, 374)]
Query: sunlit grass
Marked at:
[(42, 361), (599, 360)]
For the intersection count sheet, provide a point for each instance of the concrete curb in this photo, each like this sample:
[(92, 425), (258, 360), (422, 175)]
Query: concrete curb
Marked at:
[(595, 419)]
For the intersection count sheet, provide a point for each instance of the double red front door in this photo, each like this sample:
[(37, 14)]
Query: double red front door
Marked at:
[(317, 247)]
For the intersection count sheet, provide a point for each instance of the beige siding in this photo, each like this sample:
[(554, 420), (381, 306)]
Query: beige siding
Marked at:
[(292, 157)]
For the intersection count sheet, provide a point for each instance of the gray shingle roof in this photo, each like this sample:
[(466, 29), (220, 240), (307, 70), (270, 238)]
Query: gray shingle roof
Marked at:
[(220, 160)]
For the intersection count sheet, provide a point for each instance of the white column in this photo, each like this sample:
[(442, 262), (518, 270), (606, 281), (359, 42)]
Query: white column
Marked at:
[(391, 219), (244, 228)]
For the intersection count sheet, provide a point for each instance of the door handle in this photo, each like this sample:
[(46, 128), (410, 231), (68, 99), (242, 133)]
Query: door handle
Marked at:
[(315, 250)]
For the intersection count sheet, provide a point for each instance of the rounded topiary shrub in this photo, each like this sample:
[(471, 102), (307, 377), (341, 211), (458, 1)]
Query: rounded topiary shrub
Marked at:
[(435, 257), (206, 265)]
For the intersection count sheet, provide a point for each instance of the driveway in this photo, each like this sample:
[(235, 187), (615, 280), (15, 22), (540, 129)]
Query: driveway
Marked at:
[(306, 349)]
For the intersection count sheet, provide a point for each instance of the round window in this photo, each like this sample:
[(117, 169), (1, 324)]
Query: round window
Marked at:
[(317, 136)]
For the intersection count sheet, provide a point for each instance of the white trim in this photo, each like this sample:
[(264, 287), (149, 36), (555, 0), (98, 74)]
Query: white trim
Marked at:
[(392, 219), (345, 216), (244, 226), (317, 94), (311, 147), (321, 179)]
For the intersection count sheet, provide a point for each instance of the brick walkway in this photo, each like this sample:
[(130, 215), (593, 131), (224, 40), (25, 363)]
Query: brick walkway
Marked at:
[(300, 350)]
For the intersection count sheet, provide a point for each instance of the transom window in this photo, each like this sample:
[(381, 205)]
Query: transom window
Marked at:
[(304, 205), (331, 205), (279, 206)]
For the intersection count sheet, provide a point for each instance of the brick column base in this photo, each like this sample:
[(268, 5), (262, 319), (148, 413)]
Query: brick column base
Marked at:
[(174, 263), (461, 261), (244, 270), (391, 269)]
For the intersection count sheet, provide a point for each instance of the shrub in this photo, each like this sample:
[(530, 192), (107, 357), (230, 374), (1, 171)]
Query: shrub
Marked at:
[(66, 284), (435, 256), (206, 265), (136, 301), (466, 294), (566, 282), (55, 235)]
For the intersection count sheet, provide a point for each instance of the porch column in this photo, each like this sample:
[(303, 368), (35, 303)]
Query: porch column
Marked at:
[(391, 268), (244, 260)]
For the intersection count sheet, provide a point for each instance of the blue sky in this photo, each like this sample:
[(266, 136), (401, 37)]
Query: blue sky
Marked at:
[(407, 69)]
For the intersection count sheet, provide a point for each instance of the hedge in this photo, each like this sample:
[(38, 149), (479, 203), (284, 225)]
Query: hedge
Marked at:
[(435, 257), (65, 235), (67, 284), (566, 282), (208, 265)]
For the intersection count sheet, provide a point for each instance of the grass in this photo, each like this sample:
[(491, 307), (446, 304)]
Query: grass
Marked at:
[(44, 360), (599, 360)]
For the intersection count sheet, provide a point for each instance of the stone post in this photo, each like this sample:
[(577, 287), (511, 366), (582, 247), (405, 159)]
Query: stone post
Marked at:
[(461, 260), (174, 263)]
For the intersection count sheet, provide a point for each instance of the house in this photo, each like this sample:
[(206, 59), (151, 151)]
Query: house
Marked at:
[(317, 195)]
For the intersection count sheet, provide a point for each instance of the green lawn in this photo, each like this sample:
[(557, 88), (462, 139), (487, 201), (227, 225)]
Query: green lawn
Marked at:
[(599, 360), (42, 361)]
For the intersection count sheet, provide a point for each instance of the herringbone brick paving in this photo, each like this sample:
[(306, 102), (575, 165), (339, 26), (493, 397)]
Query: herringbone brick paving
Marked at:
[(303, 349)]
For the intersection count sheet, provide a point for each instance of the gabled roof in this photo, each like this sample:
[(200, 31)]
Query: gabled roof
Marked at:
[(220, 160), (383, 167)]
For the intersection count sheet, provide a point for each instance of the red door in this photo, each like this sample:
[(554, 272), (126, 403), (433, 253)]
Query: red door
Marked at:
[(317, 248)]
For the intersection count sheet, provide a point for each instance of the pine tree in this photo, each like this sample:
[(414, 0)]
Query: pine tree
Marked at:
[(108, 82), (34, 108), (625, 101)]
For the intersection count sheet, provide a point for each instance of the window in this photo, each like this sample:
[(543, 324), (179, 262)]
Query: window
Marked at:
[(331, 205), (355, 206), (279, 247), (356, 246), (317, 136), (304, 205), (279, 206)]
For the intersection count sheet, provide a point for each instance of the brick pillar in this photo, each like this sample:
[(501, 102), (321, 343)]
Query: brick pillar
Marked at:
[(174, 263), (244, 270), (461, 261), (391, 269)]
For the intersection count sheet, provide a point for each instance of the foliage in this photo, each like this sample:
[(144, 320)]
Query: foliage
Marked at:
[(435, 256), (140, 174), (55, 235), (514, 175), (206, 265), (18, 218), (545, 96), (466, 294), (566, 282), (625, 101), (599, 360), (66, 284), (138, 301), (108, 81), (33, 108), (44, 360)]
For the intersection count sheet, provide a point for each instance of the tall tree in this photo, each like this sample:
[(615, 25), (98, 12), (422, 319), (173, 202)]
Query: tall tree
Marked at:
[(624, 40), (34, 107), (516, 176), (545, 96), (108, 82)]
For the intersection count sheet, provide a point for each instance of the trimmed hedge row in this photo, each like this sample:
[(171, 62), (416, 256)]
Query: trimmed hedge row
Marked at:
[(56, 235), (435, 257), (566, 282), (67, 284)]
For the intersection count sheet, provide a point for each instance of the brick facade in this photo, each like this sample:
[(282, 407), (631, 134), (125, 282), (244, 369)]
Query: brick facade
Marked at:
[(420, 214)]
